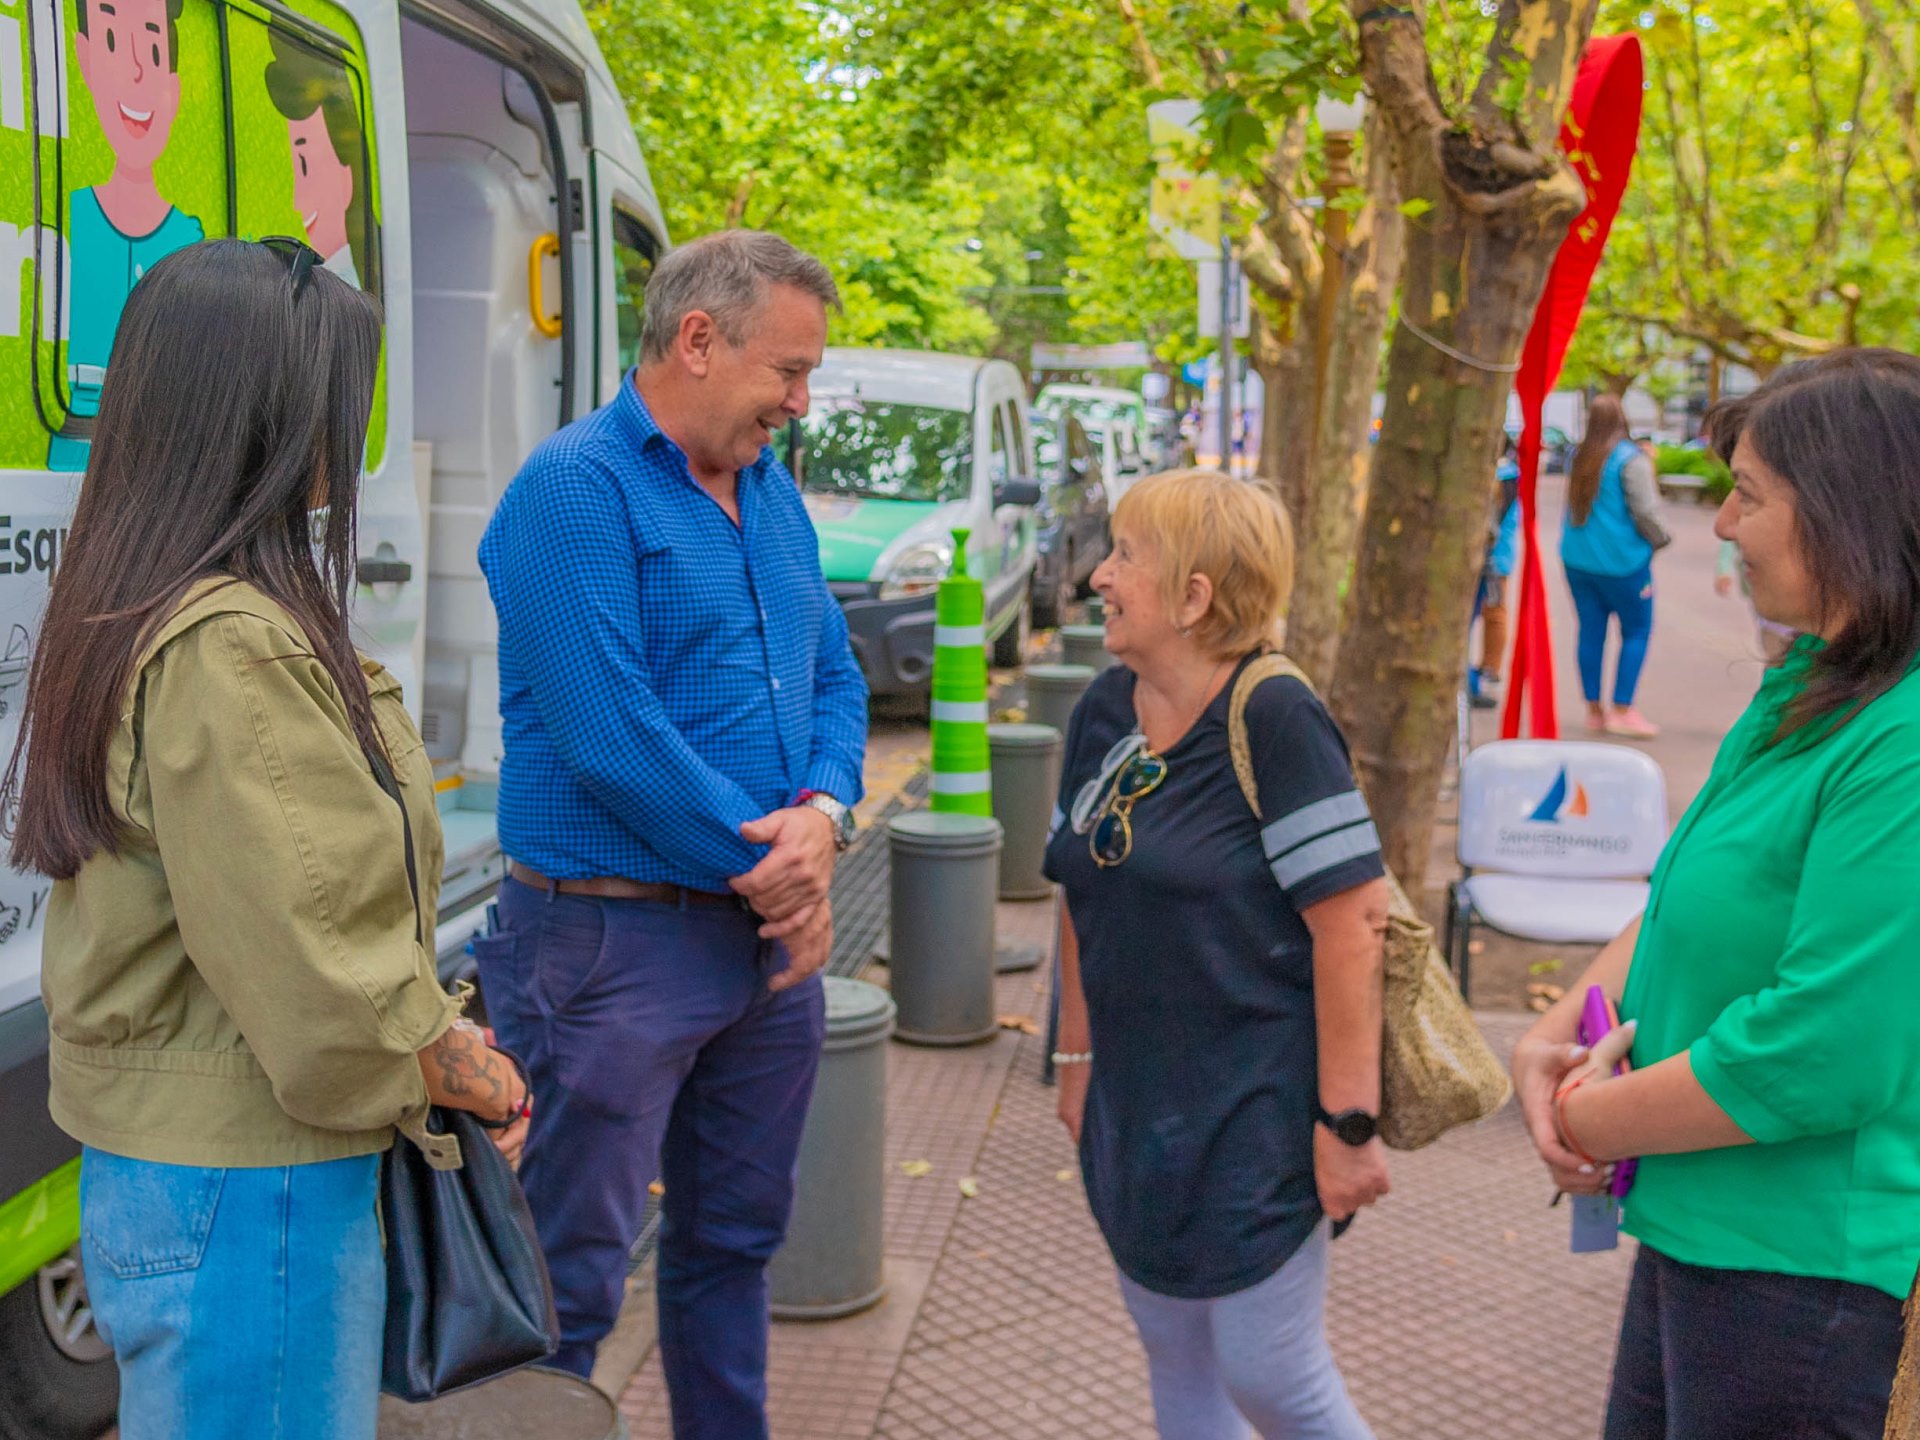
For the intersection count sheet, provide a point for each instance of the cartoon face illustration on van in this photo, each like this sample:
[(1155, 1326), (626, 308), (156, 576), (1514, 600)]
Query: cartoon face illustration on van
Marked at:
[(328, 151), (322, 187), (127, 52)]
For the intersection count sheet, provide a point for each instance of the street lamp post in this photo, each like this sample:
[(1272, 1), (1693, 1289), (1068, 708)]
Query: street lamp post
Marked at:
[(1340, 121), (1229, 288)]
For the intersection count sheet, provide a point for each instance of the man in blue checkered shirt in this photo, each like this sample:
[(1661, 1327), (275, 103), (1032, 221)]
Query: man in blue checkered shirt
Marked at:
[(685, 724)]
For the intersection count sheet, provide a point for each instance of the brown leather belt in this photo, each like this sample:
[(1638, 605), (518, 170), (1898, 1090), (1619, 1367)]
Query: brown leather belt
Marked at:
[(612, 887)]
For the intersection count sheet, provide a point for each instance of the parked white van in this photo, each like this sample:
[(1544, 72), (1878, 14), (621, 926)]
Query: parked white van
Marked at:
[(900, 449), (470, 162)]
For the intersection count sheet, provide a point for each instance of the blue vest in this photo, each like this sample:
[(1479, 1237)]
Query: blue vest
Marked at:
[(1608, 543)]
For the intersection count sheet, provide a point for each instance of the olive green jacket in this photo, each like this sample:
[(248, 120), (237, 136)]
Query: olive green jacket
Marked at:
[(246, 983)]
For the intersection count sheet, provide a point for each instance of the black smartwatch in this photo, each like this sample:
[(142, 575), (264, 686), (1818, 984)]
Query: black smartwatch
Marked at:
[(1349, 1127)]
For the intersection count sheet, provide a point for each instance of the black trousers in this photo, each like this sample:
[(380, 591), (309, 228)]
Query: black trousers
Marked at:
[(1747, 1355)]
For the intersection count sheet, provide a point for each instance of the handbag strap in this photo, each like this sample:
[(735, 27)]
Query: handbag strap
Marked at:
[(1266, 666), (1271, 665)]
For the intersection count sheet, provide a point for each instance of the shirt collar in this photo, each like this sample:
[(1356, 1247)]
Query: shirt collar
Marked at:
[(639, 419), (632, 408)]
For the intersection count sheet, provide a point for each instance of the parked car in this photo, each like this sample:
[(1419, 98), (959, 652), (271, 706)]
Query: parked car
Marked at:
[(1121, 460), (1072, 516), (900, 449), (1095, 402), (1110, 412), (1556, 448), (1162, 443)]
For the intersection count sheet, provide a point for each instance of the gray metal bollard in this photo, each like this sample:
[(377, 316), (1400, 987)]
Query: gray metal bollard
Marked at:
[(1096, 609), (1026, 781), (945, 872), (1053, 691), (831, 1264), (1085, 645), (531, 1404)]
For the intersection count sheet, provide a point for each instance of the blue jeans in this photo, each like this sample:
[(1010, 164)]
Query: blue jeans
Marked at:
[(240, 1304), (1256, 1357), (1597, 599), (656, 1051), (1747, 1355)]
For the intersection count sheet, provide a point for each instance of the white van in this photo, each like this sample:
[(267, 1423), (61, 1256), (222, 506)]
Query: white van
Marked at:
[(900, 449), (469, 161)]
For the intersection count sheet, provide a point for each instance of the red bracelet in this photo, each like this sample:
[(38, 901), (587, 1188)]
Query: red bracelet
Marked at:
[(1560, 1119)]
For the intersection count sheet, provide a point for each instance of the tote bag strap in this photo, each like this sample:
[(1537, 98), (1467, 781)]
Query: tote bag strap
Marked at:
[(1269, 665)]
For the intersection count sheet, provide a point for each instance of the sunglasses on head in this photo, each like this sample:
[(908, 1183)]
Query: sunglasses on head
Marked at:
[(301, 259)]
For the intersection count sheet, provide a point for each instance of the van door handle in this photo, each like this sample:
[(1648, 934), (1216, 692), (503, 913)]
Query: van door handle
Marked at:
[(382, 572)]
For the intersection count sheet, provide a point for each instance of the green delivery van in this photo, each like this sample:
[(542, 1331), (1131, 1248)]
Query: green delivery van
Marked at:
[(470, 162)]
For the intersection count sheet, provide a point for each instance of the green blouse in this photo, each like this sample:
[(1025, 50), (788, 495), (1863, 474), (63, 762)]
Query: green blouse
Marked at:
[(1781, 950)]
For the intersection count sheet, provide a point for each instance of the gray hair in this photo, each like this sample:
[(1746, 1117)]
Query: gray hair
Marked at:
[(727, 275)]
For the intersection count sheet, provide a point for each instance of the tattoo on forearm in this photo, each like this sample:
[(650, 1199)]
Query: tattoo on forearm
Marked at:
[(466, 1068)]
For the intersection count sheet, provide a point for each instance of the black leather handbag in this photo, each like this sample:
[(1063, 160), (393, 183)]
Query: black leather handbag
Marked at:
[(468, 1296)]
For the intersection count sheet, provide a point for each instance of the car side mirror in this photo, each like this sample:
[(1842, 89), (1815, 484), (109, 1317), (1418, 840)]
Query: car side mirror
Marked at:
[(1017, 492)]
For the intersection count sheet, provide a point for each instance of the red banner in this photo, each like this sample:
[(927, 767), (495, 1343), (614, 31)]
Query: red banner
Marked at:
[(1601, 132)]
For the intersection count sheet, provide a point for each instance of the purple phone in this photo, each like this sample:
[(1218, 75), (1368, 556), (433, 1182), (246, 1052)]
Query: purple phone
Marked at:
[(1597, 1017)]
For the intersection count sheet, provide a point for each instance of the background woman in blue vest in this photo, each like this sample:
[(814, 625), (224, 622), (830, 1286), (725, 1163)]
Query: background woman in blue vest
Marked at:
[(1612, 529)]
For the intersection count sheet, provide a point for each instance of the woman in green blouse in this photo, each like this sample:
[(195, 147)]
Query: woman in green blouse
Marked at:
[(1771, 984)]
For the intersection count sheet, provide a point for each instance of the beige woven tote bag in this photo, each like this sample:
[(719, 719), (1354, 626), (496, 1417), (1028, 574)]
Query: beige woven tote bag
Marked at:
[(1436, 1071)]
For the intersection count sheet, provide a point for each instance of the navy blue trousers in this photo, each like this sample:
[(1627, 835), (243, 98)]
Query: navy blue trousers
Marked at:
[(1748, 1355), (656, 1051)]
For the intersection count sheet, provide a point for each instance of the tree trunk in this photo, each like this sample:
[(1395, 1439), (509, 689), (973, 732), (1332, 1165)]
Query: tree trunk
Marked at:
[(1336, 490), (1290, 415), (1267, 352), (1285, 365), (1903, 1415), (1502, 197), (1283, 264)]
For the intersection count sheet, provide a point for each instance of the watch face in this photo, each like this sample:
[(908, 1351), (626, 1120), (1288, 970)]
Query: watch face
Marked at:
[(1352, 1127)]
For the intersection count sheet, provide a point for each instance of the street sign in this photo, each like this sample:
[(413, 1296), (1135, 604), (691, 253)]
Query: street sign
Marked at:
[(1209, 277), (1126, 355), (1183, 201)]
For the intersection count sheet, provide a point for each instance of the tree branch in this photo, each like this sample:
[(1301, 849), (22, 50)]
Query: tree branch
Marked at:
[(1143, 55)]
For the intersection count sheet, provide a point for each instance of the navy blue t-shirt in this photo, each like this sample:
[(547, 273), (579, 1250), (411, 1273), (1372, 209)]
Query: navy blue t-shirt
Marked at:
[(1197, 1144)]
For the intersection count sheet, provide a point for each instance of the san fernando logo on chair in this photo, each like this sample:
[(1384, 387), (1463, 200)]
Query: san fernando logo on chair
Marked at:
[(1561, 823), (1559, 804)]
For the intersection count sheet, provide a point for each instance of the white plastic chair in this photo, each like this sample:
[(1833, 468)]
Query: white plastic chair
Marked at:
[(1557, 838)]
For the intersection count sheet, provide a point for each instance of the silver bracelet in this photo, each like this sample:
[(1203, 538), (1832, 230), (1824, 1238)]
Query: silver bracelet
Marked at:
[(1073, 1057)]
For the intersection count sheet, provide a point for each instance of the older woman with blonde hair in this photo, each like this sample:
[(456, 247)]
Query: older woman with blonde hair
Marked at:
[(1220, 1003)]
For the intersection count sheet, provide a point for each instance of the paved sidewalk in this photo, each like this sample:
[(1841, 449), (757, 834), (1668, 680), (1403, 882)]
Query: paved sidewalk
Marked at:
[(1456, 1310)]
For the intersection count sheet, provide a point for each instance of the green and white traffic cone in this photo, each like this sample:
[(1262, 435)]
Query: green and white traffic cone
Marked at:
[(962, 766)]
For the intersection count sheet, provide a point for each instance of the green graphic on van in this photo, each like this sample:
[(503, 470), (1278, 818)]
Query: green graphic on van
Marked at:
[(115, 133)]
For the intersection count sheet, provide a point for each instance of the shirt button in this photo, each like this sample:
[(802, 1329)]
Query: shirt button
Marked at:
[(776, 683)]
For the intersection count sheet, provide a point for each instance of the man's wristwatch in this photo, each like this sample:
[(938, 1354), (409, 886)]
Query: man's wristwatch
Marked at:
[(840, 815), (1349, 1127)]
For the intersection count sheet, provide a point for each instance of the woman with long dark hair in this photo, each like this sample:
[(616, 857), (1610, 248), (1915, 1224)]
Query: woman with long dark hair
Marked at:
[(1772, 1000), (1612, 529), (238, 816)]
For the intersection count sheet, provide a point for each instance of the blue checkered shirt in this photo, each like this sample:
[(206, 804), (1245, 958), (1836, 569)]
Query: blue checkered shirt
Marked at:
[(665, 675)]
